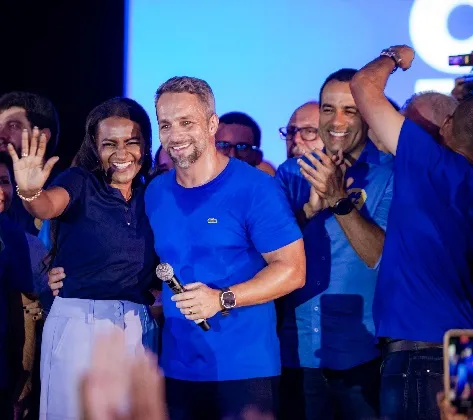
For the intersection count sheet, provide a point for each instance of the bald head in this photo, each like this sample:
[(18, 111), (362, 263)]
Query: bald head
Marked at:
[(304, 117), (430, 110)]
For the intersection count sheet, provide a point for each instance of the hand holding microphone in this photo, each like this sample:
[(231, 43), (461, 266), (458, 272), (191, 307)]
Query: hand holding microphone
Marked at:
[(196, 301)]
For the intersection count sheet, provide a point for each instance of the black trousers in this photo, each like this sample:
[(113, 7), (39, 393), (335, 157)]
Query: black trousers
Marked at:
[(188, 400)]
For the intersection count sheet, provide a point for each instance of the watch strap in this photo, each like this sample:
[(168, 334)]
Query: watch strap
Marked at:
[(225, 311), (389, 52)]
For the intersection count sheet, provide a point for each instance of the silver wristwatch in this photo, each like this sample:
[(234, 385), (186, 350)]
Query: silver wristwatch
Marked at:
[(389, 52)]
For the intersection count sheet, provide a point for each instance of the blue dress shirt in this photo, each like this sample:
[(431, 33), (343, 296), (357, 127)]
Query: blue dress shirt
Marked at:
[(329, 322)]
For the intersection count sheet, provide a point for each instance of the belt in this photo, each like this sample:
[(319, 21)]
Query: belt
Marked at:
[(405, 345)]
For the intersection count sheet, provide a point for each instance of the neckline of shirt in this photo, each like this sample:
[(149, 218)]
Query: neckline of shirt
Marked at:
[(219, 178)]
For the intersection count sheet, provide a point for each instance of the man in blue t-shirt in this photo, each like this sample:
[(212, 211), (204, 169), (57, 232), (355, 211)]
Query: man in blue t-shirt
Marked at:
[(230, 236), (328, 349), (425, 283)]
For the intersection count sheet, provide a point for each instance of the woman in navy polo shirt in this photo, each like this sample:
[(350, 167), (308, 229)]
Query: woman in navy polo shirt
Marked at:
[(103, 240)]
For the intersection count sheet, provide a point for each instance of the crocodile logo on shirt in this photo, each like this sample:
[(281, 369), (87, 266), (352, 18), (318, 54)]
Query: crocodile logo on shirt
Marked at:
[(212, 220)]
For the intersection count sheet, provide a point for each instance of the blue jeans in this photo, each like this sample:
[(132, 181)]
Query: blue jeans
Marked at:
[(326, 394), (410, 381)]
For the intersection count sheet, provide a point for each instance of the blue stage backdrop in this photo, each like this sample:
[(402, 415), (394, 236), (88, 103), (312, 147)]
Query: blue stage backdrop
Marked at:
[(266, 58)]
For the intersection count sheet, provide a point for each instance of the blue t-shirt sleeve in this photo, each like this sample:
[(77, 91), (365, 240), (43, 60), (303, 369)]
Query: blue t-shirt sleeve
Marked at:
[(418, 148), (73, 181), (270, 222)]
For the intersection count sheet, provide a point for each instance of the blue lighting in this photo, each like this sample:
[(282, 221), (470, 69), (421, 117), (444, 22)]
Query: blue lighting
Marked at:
[(266, 58)]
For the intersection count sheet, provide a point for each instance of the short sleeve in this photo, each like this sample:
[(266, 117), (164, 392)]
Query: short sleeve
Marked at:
[(271, 223), (417, 147), (382, 210), (73, 181)]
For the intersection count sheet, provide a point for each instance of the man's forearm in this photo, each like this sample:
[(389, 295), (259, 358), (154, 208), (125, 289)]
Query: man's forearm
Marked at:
[(275, 280), (374, 75), (366, 238)]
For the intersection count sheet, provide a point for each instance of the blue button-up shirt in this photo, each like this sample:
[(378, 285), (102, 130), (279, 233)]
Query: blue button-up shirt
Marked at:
[(329, 323), (425, 282)]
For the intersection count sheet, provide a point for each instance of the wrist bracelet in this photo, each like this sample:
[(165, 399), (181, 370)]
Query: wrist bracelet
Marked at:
[(28, 199)]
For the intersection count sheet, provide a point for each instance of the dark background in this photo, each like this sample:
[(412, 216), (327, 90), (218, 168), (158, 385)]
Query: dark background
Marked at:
[(69, 51)]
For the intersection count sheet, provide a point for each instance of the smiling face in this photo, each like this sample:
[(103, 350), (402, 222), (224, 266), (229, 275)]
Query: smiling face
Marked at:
[(120, 147), (341, 126), (185, 128)]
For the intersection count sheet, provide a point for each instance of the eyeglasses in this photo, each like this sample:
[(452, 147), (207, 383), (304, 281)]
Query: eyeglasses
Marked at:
[(307, 133), (240, 148)]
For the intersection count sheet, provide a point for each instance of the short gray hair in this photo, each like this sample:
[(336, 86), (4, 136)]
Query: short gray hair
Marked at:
[(441, 105), (192, 85)]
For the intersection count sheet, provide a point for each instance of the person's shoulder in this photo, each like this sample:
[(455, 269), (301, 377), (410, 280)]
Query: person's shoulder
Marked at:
[(414, 136), (242, 172), (160, 181), (290, 165)]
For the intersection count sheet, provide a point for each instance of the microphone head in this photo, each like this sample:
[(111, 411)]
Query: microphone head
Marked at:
[(164, 272)]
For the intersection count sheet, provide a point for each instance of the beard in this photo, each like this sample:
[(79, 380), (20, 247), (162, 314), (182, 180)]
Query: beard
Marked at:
[(185, 161)]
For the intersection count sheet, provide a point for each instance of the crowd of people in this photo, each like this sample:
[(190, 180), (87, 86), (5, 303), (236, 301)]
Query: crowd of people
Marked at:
[(328, 283)]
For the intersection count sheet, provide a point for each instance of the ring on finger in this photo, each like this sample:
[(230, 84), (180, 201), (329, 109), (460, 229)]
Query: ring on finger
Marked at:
[(24, 155)]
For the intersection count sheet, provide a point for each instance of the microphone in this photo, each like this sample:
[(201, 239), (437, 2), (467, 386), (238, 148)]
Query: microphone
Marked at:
[(165, 272)]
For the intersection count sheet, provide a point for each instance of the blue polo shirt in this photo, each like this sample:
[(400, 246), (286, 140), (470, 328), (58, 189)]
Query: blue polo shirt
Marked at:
[(329, 322), (105, 244), (425, 284), (216, 234), (15, 275)]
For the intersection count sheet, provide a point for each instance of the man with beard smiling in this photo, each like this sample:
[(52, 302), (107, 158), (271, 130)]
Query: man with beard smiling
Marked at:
[(229, 234), (341, 196)]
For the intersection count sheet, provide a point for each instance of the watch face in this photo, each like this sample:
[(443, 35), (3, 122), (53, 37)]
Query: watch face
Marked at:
[(343, 207), (228, 300)]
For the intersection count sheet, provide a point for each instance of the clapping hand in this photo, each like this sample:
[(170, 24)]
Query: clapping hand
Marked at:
[(327, 180), (30, 171)]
